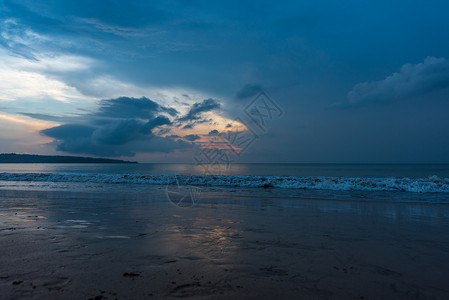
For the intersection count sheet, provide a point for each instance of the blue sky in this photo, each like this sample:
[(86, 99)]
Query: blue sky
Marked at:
[(356, 81)]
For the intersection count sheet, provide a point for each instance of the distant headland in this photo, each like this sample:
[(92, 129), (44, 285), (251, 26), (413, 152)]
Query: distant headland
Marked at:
[(52, 159)]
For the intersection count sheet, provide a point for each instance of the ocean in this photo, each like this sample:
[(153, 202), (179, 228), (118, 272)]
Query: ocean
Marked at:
[(252, 169), (412, 182)]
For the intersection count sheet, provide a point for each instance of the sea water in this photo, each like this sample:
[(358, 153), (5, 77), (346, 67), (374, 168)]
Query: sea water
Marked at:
[(410, 178)]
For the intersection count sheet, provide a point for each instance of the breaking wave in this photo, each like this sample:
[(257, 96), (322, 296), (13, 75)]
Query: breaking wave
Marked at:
[(431, 184)]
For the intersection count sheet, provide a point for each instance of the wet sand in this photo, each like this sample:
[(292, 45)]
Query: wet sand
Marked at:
[(128, 243)]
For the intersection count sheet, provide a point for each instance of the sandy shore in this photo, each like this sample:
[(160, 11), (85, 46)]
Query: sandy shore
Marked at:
[(244, 244)]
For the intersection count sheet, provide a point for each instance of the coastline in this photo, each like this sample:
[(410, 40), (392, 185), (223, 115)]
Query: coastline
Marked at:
[(129, 242)]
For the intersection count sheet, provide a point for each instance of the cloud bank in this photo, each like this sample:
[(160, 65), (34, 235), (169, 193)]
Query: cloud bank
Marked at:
[(412, 80), (120, 127)]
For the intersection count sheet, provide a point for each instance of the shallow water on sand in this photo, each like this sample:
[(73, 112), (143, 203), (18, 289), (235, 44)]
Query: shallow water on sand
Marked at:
[(122, 241)]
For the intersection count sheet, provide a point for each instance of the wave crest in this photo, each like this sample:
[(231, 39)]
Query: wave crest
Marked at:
[(431, 184)]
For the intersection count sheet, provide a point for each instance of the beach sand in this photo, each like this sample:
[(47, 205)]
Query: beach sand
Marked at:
[(132, 243)]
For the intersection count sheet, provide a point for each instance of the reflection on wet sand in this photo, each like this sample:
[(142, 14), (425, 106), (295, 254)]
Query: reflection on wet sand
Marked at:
[(246, 243)]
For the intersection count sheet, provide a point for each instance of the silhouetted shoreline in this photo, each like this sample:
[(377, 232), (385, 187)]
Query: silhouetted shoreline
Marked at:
[(33, 158)]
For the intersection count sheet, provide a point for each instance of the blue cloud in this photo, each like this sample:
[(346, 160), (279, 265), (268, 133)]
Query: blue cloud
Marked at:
[(247, 91), (120, 127), (412, 80), (192, 137), (124, 107), (198, 108), (213, 132), (75, 131), (45, 117)]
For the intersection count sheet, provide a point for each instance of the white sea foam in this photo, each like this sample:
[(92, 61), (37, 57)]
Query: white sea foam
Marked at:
[(431, 184)]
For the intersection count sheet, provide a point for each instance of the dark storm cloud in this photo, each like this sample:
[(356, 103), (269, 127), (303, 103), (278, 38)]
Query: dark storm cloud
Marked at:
[(120, 127), (124, 107), (213, 132), (158, 121), (74, 131), (119, 132), (173, 136), (73, 138), (249, 90), (198, 108), (412, 80), (192, 137)]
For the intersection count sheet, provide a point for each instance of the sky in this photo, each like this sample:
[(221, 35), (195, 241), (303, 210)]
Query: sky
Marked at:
[(255, 81)]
